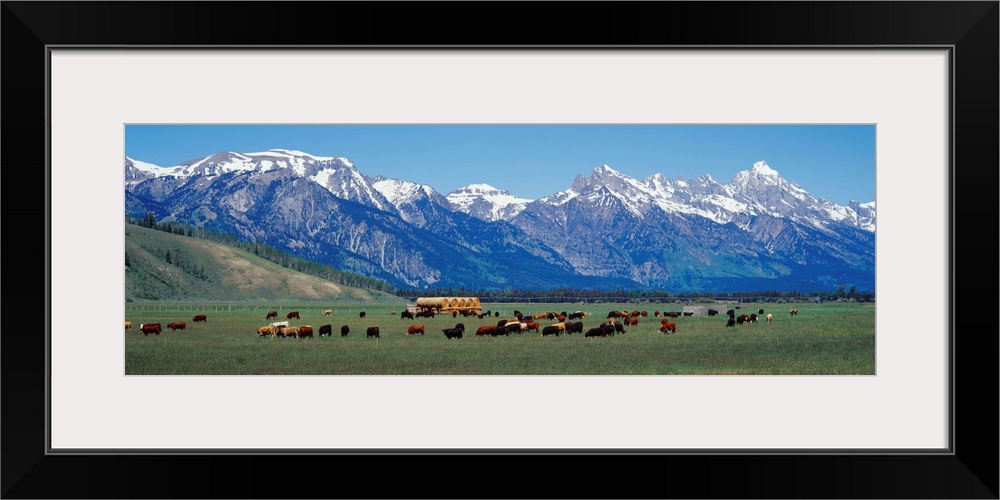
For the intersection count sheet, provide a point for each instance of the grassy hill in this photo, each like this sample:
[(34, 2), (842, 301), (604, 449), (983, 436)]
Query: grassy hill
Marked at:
[(165, 266)]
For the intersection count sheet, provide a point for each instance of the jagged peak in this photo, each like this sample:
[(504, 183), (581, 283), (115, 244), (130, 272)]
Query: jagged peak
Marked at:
[(605, 170), (762, 168)]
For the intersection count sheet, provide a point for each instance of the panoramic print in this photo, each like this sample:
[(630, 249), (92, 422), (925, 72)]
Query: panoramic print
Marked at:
[(499, 249)]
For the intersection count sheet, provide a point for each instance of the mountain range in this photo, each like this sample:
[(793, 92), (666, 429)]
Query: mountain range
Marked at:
[(606, 230)]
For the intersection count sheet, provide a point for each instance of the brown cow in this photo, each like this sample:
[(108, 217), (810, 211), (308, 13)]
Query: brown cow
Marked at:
[(150, 328), (668, 326), (271, 314), (292, 314), (291, 331), (484, 330), (328, 312), (632, 320), (305, 331), (266, 330), (531, 325), (177, 325), (200, 317), (128, 325), (794, 312), (414, 329)]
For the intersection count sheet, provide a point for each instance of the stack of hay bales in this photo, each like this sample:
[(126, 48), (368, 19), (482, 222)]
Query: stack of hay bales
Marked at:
[(447, 305)]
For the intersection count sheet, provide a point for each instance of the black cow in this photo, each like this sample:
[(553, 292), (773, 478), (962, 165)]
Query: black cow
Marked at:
[(600, 331), (688, 314), (326, 330), (753, 318), (731, 322), (453, 333), (496, 314), (550, 330), (619, 327), (361, 314), (713, 312), (731, 313), (572, 328), (760, 311), (500, 330), (501, 322), (344, 330), (372, 332), (406, 314)]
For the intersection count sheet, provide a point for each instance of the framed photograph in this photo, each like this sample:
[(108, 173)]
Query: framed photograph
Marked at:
[(919, 79)]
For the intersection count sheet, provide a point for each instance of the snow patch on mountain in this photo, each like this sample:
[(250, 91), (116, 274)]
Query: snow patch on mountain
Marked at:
[(399, 191), (486, 202), (145, 167)]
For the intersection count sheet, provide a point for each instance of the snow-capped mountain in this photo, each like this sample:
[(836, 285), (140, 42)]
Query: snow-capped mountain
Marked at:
[(673, 232), (337, 174), (759, 191), (418, 204), (486, 202), (759, 231)]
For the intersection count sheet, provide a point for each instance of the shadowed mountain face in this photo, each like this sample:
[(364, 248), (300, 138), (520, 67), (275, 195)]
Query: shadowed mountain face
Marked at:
[(606, 231)]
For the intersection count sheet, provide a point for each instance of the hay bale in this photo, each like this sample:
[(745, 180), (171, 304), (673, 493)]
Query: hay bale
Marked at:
[(449, 304)]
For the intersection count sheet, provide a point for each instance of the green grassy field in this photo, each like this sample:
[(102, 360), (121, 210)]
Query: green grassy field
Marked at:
[(823, 339)]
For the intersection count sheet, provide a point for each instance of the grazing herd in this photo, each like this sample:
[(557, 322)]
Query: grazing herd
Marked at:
[(520, 324)]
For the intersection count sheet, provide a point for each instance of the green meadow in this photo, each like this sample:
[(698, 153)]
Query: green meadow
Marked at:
[(823, 339)]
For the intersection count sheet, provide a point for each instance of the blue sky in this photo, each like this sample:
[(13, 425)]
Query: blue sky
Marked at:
[(836, 162)]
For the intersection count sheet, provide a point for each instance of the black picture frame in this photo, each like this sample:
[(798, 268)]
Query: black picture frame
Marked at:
[(969, 28)]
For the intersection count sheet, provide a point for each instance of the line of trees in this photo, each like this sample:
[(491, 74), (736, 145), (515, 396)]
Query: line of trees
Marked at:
[(265, 251), (622, 295)]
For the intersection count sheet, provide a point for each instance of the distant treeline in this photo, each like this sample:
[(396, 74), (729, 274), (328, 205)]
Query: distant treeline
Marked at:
[(266, 252), (620, 295)]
